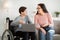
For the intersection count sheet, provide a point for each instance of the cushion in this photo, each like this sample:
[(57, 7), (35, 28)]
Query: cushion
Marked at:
[(57, 26)]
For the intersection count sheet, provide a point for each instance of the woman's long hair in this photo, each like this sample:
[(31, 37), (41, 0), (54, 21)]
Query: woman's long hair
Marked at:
[(43, 8)]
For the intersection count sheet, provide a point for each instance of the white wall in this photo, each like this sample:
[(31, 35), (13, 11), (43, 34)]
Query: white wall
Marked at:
[(12, 10)]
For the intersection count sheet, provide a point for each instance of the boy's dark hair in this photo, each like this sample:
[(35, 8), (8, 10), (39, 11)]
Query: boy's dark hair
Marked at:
[(22, 9)]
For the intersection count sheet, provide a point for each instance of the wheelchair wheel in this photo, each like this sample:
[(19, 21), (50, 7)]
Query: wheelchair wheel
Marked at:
[(7, 35)]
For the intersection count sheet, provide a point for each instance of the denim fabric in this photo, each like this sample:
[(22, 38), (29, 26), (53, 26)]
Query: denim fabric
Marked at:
[(49, 34)]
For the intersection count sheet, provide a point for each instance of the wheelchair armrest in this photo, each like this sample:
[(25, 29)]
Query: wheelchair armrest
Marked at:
[(13, 28)]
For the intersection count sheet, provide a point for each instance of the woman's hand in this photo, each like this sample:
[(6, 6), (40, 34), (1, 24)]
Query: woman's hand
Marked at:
[(22, 22), (38, 28), (43, 31), (45, 25)]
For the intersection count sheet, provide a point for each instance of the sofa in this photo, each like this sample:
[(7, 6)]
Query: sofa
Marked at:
[(56, 36)]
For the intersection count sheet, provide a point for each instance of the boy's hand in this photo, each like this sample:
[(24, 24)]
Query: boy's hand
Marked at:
[(22, 22)]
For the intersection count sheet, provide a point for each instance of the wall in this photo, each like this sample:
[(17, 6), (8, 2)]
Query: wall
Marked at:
[(11, 10)]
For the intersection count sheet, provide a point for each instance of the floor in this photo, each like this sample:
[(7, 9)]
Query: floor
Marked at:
[(55, 38), (5, 39), (0, 38)]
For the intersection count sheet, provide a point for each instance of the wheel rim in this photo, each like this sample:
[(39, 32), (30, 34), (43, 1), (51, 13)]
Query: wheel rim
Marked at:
[(7, 35)]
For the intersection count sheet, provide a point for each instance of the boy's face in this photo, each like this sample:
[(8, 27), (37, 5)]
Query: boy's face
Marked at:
[(24, 13)]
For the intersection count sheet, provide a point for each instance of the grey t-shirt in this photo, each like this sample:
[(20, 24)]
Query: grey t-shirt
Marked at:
[(17, 19)]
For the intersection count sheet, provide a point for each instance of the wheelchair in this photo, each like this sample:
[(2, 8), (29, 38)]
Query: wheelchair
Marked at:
[(9, 33)]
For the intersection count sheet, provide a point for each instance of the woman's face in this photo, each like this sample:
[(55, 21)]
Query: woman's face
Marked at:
[(39, 9)]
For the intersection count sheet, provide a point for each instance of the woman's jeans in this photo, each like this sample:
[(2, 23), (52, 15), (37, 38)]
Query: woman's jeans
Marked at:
[(48, 36)]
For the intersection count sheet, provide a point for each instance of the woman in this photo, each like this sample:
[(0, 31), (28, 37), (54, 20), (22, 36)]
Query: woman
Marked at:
[(44, 23)]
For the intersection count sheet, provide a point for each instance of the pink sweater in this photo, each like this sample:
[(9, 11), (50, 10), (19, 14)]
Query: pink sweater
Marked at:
[(41, 20)]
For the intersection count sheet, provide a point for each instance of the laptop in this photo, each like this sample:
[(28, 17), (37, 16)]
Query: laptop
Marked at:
[(27, 28)]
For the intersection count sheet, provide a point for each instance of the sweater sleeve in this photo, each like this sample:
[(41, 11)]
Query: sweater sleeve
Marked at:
[(15, 21), (50, 19), (29, 21), (36, 21)]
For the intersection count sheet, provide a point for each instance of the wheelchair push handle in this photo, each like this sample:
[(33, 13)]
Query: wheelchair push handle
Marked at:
[(7, 19), (7, 22)]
